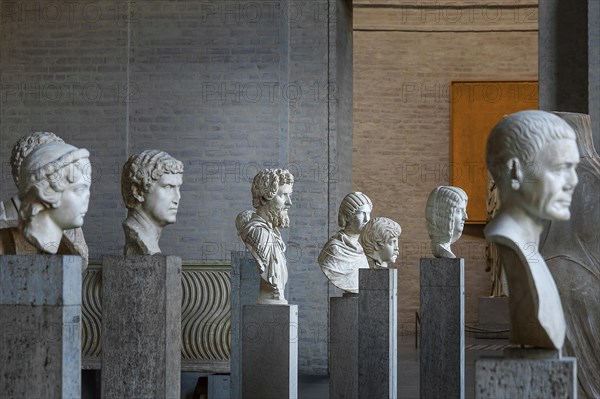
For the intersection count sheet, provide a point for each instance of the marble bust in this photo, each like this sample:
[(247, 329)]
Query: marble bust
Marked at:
[(379, 240), (342, 255), (445, 212), (53, 184), (259, 231), (532, 156), (150, 186), (73, 241)]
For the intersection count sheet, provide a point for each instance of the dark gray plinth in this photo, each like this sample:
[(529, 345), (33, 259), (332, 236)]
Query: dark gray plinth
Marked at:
[(442, 343), (378, 333), (40, 320), (502, 378), (343, 347), (270, 351), (245, 282), (141, 326), (219, 386)]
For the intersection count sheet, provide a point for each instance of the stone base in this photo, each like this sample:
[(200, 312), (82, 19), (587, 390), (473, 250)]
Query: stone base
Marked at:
[(343, 347), (442, 343), (141, 326), (493, 316), (270, 352), (218, 386), (502, 378), (245, 282), (378, 333), (40, 326)]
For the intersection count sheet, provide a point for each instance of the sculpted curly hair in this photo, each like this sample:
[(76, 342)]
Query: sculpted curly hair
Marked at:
[(24, 146), (441, 204), (142, 171), (267, 182), (377, 232)]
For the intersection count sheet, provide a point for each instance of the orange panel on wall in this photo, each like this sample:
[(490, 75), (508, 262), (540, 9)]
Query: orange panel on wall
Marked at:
[(476, 107)]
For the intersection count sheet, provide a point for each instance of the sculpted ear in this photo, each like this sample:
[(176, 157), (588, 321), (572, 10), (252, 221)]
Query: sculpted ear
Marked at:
[(515, 170), (137, 193)]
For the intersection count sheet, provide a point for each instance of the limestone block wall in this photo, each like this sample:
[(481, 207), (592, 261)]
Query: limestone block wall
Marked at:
[(406, 54), (228, 87)]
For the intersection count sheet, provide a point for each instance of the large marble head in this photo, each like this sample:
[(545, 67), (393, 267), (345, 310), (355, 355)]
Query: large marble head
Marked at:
[(532, 156), (150, 184), (271, 195), (355, 212), (379, 240), (446, 214), (54, 189), (24, 146)]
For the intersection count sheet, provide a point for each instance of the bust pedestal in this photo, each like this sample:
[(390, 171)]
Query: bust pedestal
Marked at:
[(40, 320), (270, 336), (527, 374), (141, 326), (377, 333), (343, 346), (442, 341)]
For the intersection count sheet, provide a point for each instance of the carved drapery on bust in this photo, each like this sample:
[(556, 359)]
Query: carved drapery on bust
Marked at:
[(53, 180), (379, 240), (259, 231), (150, 185), (445, 212), (532, 156), (342, 256)]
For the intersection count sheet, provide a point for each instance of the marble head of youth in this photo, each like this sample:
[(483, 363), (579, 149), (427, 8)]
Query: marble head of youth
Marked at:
[(532, 156), (342, 255), (446, 213), (54, 182), (379, 240), (150, 186), (259, 231)]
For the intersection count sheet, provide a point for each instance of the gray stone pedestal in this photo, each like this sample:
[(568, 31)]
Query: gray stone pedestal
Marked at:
[(442, 343), (378, 333), (343, 347), (141, 326), (505, 378), (245, 282), (270, 352), (40, 321)]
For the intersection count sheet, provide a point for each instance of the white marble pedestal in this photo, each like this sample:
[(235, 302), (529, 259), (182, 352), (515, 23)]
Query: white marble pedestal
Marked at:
[(270, 336), (378, 333), (141, 326), (526, 378), (40, 321), (343, 346), (442, 340)]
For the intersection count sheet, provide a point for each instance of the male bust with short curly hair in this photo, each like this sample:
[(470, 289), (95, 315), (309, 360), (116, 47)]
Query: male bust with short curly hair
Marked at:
[(271, 196), (150, 185)]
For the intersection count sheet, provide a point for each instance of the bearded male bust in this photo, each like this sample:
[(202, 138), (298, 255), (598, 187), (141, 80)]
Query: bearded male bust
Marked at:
[(271, 197)]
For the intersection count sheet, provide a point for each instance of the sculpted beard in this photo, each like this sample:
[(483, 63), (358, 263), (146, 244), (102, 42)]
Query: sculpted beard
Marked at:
[(278, 214)]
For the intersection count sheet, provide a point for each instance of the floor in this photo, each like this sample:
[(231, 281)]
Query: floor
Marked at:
[(317, 387)]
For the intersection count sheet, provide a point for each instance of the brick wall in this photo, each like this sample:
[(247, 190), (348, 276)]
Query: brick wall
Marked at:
[(405, 57), (228, 87)]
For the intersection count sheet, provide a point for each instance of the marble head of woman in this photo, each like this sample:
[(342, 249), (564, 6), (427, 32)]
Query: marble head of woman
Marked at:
[(446, 213)]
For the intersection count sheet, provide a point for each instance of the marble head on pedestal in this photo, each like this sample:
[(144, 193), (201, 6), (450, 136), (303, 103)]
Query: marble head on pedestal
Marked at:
[(379, 240), (342, 255), (532, 156), (259, 231), (54, 183), (446, 213), (150, 186)]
